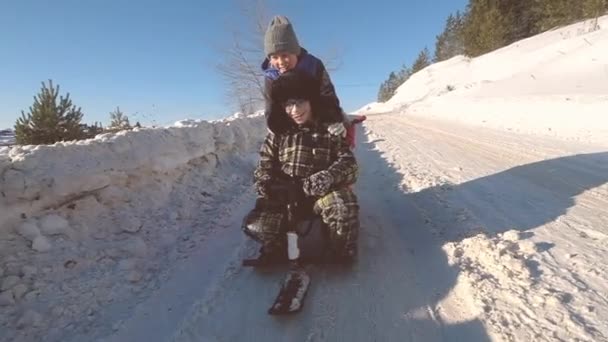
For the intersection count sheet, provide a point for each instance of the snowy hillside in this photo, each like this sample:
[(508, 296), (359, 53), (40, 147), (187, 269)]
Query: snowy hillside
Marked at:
[(553, 84)]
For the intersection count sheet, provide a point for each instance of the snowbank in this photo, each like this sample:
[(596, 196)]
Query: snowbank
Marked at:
[(47, 176), (96, 224), (555, 83), (520, 219), (501, 275), (7, 137)]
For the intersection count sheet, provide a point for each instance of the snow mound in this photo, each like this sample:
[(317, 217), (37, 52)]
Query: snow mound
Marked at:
[(7, 137), (96, 224), (520, 295), (45, 176), (533, 86)]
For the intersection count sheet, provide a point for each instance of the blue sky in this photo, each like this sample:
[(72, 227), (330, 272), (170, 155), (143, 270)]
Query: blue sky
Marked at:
[(156, 59)]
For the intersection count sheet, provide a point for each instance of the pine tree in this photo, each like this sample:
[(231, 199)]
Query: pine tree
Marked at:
[(520, 18), (403, 75), (441, 42), (387, 89), (484, 28), (450, 42), (594, 9), (422, 61), (137, 124), (49, 120), (394, 81), (90, 131), (382, 92), (119, 121), (560, 12)]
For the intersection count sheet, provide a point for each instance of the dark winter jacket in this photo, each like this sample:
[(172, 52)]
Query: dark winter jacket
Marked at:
[(302, 151), (329, 104)]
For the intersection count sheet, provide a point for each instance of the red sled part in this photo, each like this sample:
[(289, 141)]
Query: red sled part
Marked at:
[(350, 131)]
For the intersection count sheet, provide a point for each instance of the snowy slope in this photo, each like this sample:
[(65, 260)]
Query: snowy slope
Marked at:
[(563, 72)]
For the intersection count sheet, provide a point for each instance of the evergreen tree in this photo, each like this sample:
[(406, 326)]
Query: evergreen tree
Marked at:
[(394, 81), (387, 89), (422, 61), (484, 28), (90, 131), (594, 9), (450, 42), (118, 121), (520, 18), (560, 12), (403, 76), (49, 120), (383, 95)]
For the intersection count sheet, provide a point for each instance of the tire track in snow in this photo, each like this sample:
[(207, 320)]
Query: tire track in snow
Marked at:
[(504, 182)]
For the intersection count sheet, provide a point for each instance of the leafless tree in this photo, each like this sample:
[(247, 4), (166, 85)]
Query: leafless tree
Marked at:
[(242, 56)]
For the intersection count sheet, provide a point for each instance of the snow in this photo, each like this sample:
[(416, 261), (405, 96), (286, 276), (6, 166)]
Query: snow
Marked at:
[(478, 223), (54, 224), (521, 218), (29, 230), (95, 225), (36, 177), (7, 137), (561, 72), (511, 146)]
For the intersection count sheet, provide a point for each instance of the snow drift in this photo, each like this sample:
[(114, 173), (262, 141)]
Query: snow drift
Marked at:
[(563, 72), (7, 137), (96, 223), (47, 176)]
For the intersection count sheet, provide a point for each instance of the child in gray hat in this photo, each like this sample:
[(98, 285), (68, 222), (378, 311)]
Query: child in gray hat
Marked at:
[(284, 53)]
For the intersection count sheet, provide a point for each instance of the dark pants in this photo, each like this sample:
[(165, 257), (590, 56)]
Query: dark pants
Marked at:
[(338, 209)]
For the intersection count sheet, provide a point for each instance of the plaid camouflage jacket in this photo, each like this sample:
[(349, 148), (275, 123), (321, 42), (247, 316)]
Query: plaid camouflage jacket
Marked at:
[(303, 151)]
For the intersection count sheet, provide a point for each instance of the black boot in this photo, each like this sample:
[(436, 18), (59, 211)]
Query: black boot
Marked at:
[(272, 254)]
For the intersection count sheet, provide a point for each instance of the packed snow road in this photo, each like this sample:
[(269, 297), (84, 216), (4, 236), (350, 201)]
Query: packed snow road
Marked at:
[(427, 189)]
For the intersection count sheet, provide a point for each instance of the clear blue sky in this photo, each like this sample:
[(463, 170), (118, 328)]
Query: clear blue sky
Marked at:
[(156, 59)]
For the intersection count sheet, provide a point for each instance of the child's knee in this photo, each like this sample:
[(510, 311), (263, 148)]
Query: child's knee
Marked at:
[(338, 206), (262, 225)]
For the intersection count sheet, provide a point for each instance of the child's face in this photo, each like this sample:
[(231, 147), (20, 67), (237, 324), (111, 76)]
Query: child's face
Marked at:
[(298, 110), (283, 61)]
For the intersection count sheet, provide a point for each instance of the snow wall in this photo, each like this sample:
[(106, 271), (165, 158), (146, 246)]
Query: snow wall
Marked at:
[(35, 178)]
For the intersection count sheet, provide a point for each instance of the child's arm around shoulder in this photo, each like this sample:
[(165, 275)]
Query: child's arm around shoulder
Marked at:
[(344, 169), (328, 96)]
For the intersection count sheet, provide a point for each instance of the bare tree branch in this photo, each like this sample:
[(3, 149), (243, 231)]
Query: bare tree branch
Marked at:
[(240, 66)]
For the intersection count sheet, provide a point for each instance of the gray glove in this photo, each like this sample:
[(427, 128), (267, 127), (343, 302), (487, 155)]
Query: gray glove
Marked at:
[(318, 184), (337, 129)]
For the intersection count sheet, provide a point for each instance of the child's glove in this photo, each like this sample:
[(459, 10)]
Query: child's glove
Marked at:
[(337, 129), (318, 184)]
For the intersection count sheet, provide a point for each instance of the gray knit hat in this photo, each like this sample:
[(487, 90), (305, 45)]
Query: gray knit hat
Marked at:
[(280, 37)]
